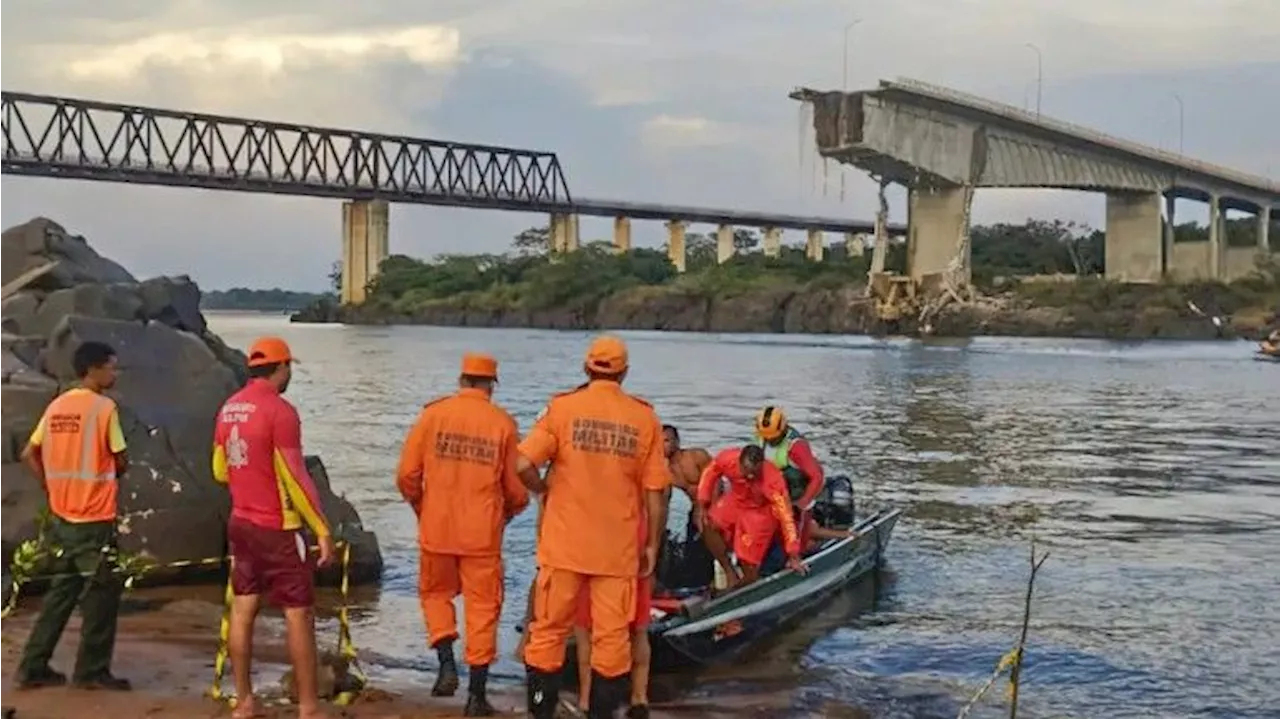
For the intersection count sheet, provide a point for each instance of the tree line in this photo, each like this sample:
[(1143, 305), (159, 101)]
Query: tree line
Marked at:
[(272, 300), (529, 275)]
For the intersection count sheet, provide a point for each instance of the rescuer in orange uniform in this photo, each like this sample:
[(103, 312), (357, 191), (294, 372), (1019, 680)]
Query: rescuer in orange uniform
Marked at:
[(77, 451), (257, 453), (747, 517), (607, 469), (458, 472)]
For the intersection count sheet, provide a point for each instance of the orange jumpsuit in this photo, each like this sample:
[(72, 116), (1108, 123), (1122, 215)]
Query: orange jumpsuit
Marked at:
[(605, 450), (751, 512), (458, 471)]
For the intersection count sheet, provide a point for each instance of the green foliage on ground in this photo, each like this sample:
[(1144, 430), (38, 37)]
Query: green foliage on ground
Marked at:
[(531, 277)]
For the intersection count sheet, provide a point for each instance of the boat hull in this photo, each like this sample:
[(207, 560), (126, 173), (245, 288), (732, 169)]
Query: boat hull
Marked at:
[(723, 629)]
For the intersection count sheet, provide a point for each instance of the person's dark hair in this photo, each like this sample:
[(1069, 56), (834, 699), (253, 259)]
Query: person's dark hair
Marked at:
[(263, 371), (672, 429), (593, 375), (751, 454), (471, 380), (91, 355)]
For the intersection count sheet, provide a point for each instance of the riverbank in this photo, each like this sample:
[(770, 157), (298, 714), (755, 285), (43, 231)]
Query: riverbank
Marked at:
[(1070, 309), (166, 649)]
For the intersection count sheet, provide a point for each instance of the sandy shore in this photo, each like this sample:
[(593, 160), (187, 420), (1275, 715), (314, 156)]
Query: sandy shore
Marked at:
[(167, 642), (167, 653)]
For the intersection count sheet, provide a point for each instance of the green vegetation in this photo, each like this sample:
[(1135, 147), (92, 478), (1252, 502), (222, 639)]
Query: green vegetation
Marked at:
[(528, 277), (273, 300)]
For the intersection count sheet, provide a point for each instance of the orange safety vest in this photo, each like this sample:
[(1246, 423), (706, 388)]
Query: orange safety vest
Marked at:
[(75, 449)]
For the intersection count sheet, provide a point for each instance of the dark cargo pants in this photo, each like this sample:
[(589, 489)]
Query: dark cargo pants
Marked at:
[(82, 576)]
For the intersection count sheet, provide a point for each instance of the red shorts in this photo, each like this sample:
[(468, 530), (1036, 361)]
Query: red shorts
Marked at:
[(747, 530), (272, 562), (644, 603)]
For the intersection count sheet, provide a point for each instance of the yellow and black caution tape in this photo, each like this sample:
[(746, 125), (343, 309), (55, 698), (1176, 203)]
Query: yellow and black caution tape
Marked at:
[(346, 648), (1006, 663)]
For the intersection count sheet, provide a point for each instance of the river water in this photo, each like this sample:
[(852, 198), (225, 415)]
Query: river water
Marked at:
[(1150, 472)]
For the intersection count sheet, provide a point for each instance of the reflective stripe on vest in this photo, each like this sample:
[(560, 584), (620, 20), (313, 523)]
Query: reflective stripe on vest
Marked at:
[(90, 430)]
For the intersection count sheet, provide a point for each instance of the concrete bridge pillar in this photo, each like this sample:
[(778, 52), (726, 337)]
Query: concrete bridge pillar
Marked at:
[(813, 247), (1264, 229), (622, 234), (935, 219), (564, 233), (1134, 237), (724, 244), (675, 244), (1217, 238), (365, 228), (1167, 268), (855, 244), (772, 242)]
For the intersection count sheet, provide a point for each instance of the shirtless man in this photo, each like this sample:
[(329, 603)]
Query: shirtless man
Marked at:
[(686, 464)]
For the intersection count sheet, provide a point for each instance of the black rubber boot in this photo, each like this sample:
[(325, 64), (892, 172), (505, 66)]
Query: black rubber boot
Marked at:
[(543, 692), (638, 711), (608, 694), (447, 680), (477, 696)]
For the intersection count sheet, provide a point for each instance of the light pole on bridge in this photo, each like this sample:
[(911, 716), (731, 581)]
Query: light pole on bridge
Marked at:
[(1039, 76), (844, 67), (1182, 116), (844, 82)]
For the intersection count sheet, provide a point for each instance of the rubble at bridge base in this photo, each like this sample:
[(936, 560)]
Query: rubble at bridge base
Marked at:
[(174, 374)]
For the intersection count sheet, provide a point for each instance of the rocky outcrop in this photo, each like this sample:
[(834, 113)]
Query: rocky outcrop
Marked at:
[(174, 374)]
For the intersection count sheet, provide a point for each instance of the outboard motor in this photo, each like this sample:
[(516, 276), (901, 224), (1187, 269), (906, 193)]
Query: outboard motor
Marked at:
[(834, 508)]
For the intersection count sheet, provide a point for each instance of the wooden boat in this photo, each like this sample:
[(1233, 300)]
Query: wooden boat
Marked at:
[(690, 628)]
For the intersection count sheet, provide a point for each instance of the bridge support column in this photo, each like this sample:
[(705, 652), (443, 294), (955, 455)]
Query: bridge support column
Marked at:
[(622, 234), (854, 244), (724, 244), (1217, 238), (772, 242), (365, 226), (1135, 237), (675, 244), (813, 247), (1264, 230), (1167, 268), (564, 233), (935, 219)]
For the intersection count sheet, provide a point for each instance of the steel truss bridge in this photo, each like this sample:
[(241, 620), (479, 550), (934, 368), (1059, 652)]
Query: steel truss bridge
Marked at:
[(46, 136)]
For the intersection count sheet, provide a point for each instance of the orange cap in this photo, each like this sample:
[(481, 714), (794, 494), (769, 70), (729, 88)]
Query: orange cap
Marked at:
[(475, 364), (607, 355), (269, 350)]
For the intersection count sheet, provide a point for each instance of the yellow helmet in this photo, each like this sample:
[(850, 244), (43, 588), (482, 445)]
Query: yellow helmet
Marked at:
[(771, 423)]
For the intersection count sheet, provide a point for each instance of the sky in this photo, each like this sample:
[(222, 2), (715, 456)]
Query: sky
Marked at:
[(681, 101)]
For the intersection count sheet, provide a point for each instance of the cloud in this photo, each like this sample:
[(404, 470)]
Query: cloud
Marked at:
[(643, 100), (671, 132), (269, 55)]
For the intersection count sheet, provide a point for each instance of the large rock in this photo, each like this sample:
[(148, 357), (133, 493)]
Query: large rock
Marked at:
[(366, 557), (174, 375), (42, 240)]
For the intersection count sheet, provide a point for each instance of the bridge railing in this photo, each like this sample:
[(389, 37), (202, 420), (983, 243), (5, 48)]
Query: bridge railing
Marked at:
[(64, 137)]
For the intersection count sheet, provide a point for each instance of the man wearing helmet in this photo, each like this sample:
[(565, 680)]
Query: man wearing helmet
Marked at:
[(785, 448)]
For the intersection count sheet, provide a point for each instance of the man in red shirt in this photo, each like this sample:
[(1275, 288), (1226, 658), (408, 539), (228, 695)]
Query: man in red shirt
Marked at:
[(257, 452), (747, 516)]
